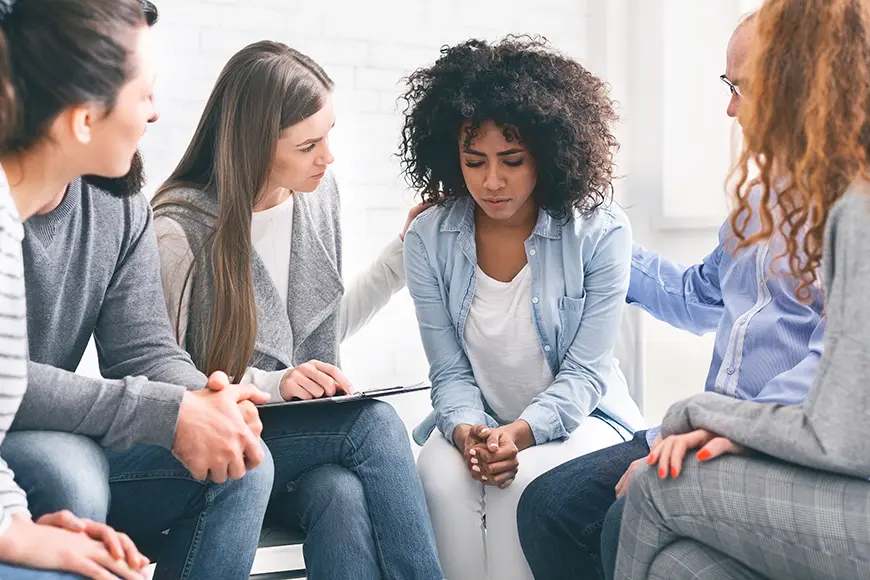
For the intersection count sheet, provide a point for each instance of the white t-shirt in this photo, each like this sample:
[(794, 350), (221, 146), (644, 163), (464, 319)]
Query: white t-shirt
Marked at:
[(505, 354), (271, 234)]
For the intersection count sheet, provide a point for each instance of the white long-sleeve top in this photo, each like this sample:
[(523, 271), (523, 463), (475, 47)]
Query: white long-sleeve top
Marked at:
[(272, 237)]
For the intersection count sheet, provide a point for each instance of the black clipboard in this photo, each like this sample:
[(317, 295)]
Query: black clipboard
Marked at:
[(358, 396)]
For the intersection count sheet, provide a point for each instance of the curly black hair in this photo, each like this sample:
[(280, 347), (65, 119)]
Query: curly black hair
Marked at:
[(559, 110)]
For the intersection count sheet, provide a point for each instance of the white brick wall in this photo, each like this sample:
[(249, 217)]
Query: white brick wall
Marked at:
[(366, 47)]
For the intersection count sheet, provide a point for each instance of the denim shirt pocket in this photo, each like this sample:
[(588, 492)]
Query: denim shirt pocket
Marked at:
[(570, 314)]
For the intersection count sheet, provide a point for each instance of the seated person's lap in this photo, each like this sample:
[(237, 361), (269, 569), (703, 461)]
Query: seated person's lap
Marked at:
[(443, 469), (16, 573)]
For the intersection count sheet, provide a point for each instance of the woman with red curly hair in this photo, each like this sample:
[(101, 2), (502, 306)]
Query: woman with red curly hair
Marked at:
[(791, 499)]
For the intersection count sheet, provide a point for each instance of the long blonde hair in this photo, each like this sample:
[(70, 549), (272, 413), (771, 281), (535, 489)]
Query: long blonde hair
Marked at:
[(805, 122), (263, 89)]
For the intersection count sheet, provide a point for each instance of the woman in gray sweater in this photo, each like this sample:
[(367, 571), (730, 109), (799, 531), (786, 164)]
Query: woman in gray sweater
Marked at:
[(791, 499), (249, 234)]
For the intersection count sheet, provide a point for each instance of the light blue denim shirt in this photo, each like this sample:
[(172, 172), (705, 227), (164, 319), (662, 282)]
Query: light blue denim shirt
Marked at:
[(580, 272), (768, 343)]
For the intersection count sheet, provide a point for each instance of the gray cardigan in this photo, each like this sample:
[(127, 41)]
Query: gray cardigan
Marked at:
[(302, 326), (831, 430)]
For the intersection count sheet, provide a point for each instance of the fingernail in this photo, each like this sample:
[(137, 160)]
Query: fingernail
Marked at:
[(474, 461), (674, 473), (662, 473), (703, 455), (650, 459), (493, 446), (472, 452), (476, 468)]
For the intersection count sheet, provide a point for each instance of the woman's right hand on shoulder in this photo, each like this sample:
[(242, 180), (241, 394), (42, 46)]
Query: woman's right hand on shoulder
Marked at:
[(47, 547), (313, 380)]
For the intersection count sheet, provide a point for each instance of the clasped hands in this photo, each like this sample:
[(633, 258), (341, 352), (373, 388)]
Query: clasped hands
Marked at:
[(492, 454)]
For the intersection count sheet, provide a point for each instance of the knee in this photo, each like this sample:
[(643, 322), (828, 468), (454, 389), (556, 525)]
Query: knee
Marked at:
[(335, 489), (60, 471), (256, 485), (380, 418), (440, 467), (643, 482), (541, 504), (677, 562)]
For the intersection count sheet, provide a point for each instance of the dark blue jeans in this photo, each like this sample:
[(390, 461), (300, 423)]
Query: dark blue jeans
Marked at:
[(561, 513), (610, 537)]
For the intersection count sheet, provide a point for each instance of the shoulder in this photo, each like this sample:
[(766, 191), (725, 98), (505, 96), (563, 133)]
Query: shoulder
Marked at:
[(608, 221), (132, 214), (428, 223), (850, 216), (182, 196)]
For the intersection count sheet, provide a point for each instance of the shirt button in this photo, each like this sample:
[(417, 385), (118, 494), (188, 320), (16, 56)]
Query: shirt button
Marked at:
[(742, 322), (547, 348), (730, 371), (535, 300), (532, 252)]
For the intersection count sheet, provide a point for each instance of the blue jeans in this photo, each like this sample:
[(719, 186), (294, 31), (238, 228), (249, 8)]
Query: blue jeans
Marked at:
[(345, 472), (16, 573), (610, 537), (561, 513), (150, 492)]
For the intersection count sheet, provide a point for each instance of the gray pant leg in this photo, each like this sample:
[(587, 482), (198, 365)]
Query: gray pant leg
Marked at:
[(779, 520), (690, 560)]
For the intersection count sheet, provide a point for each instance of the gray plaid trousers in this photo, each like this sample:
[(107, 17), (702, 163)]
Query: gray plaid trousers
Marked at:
[(745, 518)]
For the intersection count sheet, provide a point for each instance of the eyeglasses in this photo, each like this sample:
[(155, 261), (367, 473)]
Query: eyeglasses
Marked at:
[(735, 90)]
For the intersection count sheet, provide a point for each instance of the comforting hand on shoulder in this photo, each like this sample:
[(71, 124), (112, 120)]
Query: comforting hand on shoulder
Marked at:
[(414, 212)]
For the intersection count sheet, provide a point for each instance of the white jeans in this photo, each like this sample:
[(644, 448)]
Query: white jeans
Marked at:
[(468, 548)]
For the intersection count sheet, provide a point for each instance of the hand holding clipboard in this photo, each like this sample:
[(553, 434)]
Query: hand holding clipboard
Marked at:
[(357, 396)]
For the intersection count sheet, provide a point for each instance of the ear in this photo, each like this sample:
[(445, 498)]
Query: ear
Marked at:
[(80, 121)]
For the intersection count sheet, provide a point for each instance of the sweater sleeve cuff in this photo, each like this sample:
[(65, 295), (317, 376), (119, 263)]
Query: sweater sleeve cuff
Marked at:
[(156, 416), (266, 381), (676, 420)]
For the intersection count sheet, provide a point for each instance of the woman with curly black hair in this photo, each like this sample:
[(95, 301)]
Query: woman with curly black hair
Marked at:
[(519, 277)]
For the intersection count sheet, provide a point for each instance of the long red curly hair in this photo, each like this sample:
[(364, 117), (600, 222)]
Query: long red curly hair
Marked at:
[(805, 119)]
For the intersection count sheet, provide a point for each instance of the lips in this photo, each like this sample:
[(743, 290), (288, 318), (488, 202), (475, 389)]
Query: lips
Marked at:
[(319, 175)]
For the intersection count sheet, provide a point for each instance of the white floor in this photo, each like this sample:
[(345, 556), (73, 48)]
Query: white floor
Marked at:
[(278, 559)]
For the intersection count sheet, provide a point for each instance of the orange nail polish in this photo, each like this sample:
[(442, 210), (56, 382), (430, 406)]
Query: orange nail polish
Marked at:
[(650, 459), (674, 473), (662, 473), (703, 455)]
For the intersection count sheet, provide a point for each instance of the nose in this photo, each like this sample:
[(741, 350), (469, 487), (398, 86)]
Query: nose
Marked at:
[(733, 106), (493, 181), (327, 157)]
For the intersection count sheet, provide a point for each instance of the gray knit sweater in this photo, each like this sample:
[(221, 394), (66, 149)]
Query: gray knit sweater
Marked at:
[(92, 267), (829, 431)]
